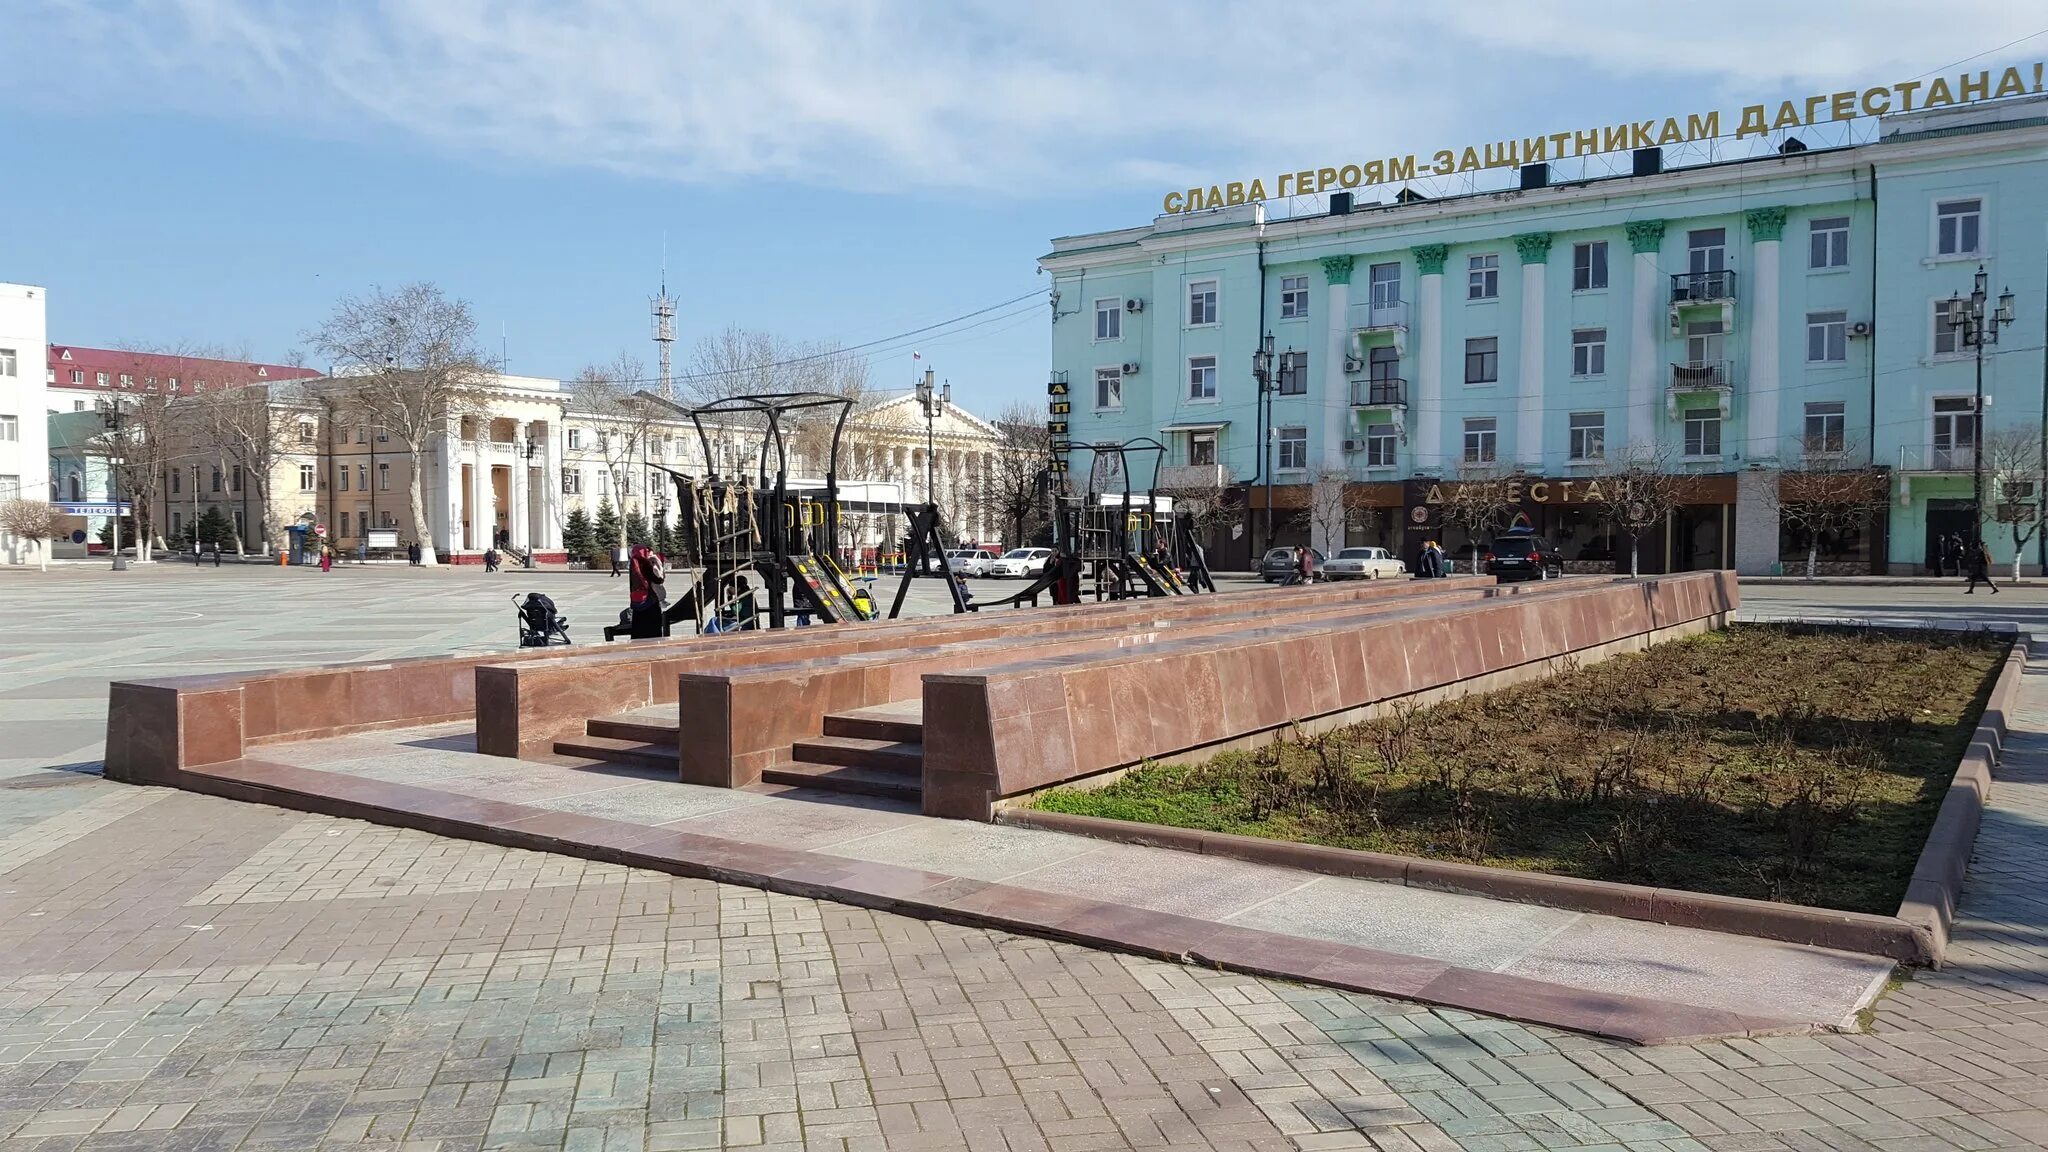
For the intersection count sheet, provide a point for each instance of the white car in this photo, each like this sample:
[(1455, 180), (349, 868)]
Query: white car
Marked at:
[(1363, 564), (1021, 562), (971, 561)]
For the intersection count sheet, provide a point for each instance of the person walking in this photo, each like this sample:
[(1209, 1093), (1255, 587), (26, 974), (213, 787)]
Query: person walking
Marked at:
[(326, 558), (647, 587), (1980, 569), (412, 553), (491, 559), (1308, 565), (619, 558)]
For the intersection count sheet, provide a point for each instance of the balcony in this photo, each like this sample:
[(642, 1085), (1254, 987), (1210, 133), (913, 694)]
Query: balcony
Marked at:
[(1702, 376), (1716, 287), (1937, 457), (1198, 477), (1389, 316), (1380, 392)]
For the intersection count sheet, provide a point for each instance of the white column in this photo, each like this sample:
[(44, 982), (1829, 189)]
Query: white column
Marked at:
[(1535, 251), (1760, 391), (444, 536), (1427, 450), (479, 494), (515, 489), (551, 487), (1336, 346), (1645, 338)]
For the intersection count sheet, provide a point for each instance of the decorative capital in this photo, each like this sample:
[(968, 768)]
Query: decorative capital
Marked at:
[(1645, 235), (1534, 247), (1337, 269), (1429, 258), (1765, 223)]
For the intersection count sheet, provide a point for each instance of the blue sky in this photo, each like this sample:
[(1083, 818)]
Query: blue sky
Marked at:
[(219, 171)]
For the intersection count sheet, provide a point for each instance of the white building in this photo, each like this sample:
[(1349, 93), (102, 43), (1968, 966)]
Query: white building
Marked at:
[(24, 404)]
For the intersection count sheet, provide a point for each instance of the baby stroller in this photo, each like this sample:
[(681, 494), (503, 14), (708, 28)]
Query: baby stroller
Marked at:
[(539, 624)]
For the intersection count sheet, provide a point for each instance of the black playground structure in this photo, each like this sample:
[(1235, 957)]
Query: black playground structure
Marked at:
[(760, 553)]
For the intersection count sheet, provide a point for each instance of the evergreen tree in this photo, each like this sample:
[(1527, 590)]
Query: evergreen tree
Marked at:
[(215, 529), (637, 533), (607, 527), (664, 538), (579, 539)]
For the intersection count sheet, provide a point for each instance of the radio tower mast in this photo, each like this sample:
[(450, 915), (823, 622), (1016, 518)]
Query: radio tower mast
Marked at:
[(664, 309)]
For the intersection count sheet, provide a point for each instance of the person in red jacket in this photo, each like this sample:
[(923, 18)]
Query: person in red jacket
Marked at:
[(648, 587)]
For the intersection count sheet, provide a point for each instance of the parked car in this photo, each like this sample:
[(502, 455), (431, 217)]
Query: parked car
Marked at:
[(1522, 558), (971, 561), (1278, 564), (1021, 562), (1363, 564)]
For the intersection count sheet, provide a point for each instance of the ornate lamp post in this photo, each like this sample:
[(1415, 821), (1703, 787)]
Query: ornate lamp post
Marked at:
[(1976, 328)]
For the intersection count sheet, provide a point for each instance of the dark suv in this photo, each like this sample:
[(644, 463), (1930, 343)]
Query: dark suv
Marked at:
[(1523, 558), (1278, 565)]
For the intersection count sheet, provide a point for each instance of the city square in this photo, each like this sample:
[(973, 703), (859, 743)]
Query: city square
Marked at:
[(908, 578)]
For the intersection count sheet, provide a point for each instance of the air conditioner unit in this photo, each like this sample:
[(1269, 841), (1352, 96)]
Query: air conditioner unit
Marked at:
[(1131, 368), (1353, 364), (1860, 328), (1354, 445), (1134, 305)]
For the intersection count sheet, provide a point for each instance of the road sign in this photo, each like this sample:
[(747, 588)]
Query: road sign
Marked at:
[(95, 508), (319, 529)]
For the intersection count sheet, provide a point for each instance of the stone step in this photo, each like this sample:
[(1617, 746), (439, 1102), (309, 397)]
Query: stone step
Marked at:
[(637, 728), (844, 778), (636, 753), (861, 752), (902, 722)]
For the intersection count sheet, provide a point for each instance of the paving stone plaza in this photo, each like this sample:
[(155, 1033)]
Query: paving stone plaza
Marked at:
[(184, 972)]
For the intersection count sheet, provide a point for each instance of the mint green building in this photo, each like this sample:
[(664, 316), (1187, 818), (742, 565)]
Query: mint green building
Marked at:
[(1735, 321)]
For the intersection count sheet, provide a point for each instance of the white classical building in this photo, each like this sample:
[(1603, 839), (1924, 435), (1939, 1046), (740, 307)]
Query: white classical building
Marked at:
[(24, 404)]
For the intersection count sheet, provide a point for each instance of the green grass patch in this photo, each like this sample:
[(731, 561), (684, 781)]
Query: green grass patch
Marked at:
[(1777, 762)]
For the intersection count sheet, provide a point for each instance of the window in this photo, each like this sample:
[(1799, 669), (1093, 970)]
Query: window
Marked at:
[(1293, 448), (177, 524), (1589, 266), (216, 481), (1109, 387), (305, 477), (1482, 438), (8, 365), (1482, 359), (1201, 377), (1383, 362), (572, 482), (362, 434), (1588, 435), (1702, 431), (1704, 343), (362, 523), (1482, 277), (1380, 444), (237, 478), (1201, 302), (177, 481), (1947, 340), (1109, 318), (10, 428), (10, 487), (127, 381), (174, 383), (100, 378), (1828, 243), (383, 477), (1202, 448), (1955, 431), (341, 477), (78, 405), (1385, 291), (1293, 297), (1824, 426), (362, 477), (1827, 337), (1706, 250), (1293, 374), (305, 433), (1958, 227), (1589, 351), (78, 375)]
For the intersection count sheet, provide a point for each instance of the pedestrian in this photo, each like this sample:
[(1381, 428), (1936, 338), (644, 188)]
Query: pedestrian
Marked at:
[(1198, 571), (647, 588), (326, 558), (1980, 569), (216, 554), (491, 559), (619, 557), (412, 553), (1308, 565), (960, 584)]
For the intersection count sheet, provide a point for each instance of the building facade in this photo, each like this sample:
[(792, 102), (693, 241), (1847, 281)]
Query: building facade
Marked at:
[(1733, 321), (24, 405)]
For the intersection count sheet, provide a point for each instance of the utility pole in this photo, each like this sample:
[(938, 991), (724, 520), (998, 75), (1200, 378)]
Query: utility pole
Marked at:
[(663, 307), (1975, 328)]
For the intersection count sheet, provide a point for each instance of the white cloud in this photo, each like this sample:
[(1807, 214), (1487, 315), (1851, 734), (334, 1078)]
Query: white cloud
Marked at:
[(901, 95)]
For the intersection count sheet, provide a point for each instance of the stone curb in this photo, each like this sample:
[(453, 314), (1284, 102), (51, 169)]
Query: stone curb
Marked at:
[(1916, 934)]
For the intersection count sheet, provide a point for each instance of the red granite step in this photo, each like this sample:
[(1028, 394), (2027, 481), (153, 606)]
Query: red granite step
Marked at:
[(843, 778), (636, 753), (861, 752), (633, 726), (901, 722)]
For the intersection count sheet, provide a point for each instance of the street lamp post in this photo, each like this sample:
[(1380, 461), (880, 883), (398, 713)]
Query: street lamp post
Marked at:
[(934, 401), (1975, 329), (111, 417), (1269, 372)]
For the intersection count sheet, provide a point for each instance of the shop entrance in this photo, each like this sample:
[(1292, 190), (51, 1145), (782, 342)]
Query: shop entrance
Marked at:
[(1945, 518), (1699, 538)]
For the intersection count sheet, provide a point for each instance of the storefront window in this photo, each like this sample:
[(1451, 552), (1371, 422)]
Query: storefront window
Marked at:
[(1582, 535), (1846, 545)]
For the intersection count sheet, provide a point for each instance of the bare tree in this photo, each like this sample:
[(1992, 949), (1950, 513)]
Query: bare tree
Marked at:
[(146, 436), (256, 426), (625, 417), (407, 361), (1642, 486), (35, 521), (1828, 495), (2012, 470), (1480, 501), (1335, 504), (1012, 493), (1207, 509), (737, 361)]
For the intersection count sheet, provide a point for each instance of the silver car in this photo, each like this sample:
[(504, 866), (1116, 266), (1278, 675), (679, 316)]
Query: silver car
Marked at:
[(1363, 564)]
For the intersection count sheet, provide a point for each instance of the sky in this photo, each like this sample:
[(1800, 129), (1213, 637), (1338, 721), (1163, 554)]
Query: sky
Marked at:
[(219, 172)]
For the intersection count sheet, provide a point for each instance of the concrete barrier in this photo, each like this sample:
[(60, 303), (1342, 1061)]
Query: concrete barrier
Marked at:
[(1004, 732)]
